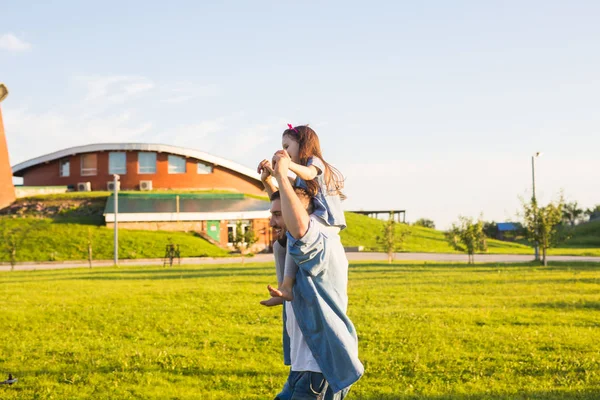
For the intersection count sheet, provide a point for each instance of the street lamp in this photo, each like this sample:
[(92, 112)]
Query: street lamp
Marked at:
[(533, 200), (116, 206)]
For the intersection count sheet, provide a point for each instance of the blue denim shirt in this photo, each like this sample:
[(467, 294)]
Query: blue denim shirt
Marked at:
[(327, 206), (320, 303)]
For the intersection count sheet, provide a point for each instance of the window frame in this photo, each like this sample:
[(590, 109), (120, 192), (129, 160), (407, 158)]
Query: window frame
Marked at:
[(124, 154), (61, 162), (140, 172), (176, 172), (88, 171)]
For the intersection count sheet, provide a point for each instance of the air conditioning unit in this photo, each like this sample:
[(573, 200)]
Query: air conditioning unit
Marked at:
[(110, 186), (145, 185), (84, 187)]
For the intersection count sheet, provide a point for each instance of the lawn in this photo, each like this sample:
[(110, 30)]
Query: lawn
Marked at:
[(44, 239), (427, 331), (363, 231)]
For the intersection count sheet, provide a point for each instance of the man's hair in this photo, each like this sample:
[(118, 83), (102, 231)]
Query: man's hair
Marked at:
[(305, 198)]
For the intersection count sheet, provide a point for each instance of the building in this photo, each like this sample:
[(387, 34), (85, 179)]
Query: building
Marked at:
[(141, 166), (7, 189), (160, 188)]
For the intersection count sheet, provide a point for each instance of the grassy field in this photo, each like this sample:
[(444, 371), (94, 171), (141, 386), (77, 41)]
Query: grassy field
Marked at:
[(362, 231), (64, 236), (51, 240), (427, 331)]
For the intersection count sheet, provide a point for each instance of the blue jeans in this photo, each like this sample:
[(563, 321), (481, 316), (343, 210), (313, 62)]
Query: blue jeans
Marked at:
[(307, 385)]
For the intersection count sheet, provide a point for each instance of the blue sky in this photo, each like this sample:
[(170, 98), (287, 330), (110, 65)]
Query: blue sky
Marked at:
[(434, 107)]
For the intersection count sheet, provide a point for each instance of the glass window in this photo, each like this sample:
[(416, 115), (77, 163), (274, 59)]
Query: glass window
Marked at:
[(117, 163), (176, 165), (204, 168), (147, 163), (89, 164), (65, 168), (232, 230)]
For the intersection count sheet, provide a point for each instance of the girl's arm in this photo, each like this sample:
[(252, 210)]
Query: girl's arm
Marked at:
[(307, 173)]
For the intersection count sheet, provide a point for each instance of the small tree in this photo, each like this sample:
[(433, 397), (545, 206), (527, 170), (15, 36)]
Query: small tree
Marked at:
[(243, 239), (12, 238), (89, 246), (424, 222), (543, 225), (392, 237), (467, 236), (571, 213)]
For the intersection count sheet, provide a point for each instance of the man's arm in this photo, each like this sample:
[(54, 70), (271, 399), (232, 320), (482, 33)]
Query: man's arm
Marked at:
[(294, 213), (266, 171)]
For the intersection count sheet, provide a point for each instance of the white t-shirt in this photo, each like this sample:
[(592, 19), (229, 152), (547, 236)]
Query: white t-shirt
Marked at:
[(300, 354)]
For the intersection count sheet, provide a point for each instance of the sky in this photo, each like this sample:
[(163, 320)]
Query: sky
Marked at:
[(433, 107)]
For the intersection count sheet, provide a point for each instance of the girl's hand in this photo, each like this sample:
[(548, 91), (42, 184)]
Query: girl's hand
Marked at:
[(281, 164), (265, 170)]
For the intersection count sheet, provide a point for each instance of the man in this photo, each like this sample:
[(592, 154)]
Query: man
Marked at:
[(320, 342)]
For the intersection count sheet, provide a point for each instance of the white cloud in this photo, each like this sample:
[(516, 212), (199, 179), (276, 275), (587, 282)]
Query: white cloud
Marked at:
[(185, 92), (116, 89), (31, 134), (10, 42)]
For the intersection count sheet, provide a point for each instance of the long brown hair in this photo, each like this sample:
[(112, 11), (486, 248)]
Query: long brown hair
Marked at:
[(309, 146)]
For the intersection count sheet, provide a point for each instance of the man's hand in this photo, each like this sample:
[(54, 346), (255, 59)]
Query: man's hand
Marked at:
[(265, 170), (281, 164)]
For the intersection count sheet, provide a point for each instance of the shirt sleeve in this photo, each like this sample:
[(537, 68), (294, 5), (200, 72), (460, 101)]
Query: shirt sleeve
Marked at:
[(317, 162), (309, 250)]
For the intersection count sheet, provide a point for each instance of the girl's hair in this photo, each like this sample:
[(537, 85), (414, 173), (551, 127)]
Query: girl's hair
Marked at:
[(308, 146)]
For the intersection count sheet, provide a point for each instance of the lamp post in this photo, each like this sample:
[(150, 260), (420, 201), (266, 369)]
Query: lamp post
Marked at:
[(537, 247), (116, 206)]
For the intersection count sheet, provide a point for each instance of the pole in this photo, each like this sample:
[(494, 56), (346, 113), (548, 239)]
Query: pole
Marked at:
[(116, 206), (536, 246)]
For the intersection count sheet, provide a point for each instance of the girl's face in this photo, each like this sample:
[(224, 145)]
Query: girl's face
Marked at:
[(291, 146)]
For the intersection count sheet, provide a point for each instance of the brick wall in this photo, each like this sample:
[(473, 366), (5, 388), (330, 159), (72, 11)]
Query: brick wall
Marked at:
[(221, 178)]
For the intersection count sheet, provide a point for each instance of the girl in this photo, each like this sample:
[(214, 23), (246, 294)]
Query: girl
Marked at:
[(321, 180)]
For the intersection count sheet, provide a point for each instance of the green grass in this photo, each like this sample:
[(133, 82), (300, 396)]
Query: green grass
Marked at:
[(426, 331), (363, 231), (585, 235), (53, 240)]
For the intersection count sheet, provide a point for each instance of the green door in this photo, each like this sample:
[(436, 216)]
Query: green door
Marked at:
[(214, 230)]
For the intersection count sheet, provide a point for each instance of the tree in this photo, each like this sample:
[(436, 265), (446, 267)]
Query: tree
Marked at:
[(89, 246), (392, 237), (490, 229), (424, 222), (243, 239), (571, 213), (593, 213), (467, 236), (543, 225), (12, 238)]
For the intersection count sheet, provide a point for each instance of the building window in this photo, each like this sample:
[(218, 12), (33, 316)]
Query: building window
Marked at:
[(117, 163), (64, 168), (176, 165), (89, 164), (232, 228), (204, 168), (147, 163)]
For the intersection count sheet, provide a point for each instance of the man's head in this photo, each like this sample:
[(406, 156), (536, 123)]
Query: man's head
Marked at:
[(277, 222)]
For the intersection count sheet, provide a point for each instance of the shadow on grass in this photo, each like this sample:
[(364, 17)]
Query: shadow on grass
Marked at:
[(166, 273), (579, 305), (591, 394)]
